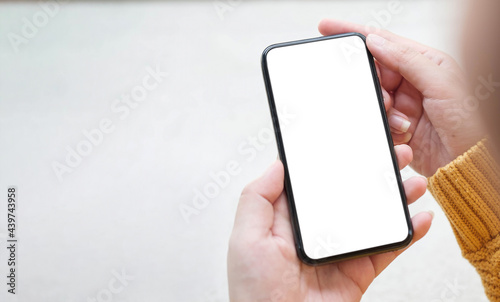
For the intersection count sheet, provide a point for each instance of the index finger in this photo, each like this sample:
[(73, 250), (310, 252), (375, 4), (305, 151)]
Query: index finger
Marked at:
[(426, 76), (332, 27)]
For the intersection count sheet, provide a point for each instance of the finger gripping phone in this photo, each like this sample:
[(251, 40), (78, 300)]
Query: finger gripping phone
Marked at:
[(345, 193)]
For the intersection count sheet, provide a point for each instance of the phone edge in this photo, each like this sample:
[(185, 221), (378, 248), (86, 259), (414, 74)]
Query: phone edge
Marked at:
[(281, 152)]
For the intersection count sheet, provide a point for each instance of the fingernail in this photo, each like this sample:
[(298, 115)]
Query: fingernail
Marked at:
[(407, 137), (375, 39), (426, 180), (399, 123), (432, 213)]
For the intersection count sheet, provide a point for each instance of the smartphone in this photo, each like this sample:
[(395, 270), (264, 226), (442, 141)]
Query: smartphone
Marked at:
[(342, 181)]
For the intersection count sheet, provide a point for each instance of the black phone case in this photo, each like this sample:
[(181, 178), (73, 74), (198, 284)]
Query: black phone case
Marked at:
[(288, 188)]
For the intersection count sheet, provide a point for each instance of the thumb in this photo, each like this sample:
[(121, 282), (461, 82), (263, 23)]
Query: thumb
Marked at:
[(255, 213), (416, 68)]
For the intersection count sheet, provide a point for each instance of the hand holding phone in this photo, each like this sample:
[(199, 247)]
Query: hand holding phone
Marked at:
[(262, 258)]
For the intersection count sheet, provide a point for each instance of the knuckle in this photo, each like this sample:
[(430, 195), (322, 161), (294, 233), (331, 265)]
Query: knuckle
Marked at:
[(445, 57), (406, 54)]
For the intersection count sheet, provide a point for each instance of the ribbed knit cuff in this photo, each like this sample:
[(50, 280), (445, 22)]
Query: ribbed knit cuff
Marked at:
[(468, 190)]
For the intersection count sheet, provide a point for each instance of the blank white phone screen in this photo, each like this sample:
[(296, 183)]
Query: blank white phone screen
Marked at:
[(341, 170)]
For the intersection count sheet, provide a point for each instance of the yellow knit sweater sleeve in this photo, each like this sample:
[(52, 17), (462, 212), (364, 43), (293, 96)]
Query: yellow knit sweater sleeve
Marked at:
[(468, 190)]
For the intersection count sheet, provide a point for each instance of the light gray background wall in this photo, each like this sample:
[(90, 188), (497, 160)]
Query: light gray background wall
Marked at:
[(119, 207)]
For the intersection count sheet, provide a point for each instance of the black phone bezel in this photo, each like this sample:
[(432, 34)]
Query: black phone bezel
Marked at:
[(288, 187)]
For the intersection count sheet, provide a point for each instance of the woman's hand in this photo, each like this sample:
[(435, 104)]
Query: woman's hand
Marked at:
[(425, 87), (262, 260)]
